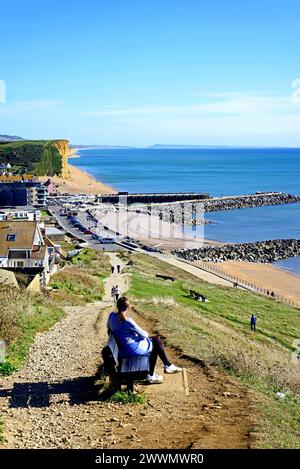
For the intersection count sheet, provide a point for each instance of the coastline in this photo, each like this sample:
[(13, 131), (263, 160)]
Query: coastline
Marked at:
[(79, 182)]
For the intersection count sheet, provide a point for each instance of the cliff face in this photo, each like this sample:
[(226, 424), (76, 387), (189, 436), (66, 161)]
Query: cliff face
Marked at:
[(63, 148)]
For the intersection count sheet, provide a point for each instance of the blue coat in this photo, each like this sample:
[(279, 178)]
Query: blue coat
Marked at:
[(131, 339)]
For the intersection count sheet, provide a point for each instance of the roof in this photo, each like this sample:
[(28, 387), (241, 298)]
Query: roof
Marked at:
[(24, 231), (53, 231), (38, 252)]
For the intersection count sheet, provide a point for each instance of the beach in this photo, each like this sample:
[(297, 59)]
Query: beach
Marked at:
[(79, 182), (264, 275)]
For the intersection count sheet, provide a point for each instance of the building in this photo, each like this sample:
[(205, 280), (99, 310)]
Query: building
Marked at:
[(51, 187), (23, 249), (22, 191), (26, 213), (54, 234)]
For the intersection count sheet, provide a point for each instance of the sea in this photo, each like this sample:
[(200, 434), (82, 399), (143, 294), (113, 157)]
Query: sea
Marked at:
[(218, 171)]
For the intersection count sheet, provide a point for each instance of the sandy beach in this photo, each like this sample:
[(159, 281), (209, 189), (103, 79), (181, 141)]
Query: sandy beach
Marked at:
[(80, 182), (265, 275)]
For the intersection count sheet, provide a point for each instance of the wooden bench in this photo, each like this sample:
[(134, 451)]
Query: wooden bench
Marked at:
[(165, 277), (197, 296), (123, 370)]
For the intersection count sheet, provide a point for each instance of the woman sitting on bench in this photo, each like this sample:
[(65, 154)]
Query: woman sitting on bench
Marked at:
[(133, 341)]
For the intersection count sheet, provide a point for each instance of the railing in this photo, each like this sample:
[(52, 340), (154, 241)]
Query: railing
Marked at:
[(25, 263), (239, 282)]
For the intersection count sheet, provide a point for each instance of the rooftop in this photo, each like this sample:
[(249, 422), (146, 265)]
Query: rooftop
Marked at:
[(24, 232)]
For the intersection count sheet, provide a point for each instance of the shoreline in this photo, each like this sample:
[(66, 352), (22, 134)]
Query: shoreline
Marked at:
[(79, 182), (268, 276)]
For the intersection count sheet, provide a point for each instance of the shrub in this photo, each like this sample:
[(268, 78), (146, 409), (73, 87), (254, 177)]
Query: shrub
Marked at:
[(127, 397)]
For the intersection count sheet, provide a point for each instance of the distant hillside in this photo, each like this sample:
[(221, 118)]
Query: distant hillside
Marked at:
[(40, 157), (10, 138)]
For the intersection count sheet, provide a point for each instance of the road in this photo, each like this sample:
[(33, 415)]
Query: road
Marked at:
[(68, 227)]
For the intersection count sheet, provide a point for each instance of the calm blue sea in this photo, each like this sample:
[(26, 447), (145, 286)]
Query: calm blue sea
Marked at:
[(229, 171)]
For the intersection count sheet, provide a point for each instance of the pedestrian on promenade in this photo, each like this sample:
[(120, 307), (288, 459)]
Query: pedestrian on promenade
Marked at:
[(113, 292), (253, 322), (112, 269), (119, 269)]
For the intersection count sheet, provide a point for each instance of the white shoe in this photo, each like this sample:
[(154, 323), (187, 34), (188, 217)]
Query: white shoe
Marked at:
[(154, 379), (172, 369)]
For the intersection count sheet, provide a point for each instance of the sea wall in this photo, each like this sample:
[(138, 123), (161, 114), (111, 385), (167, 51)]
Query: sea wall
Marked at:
[(248, 201), (188, 213), (264, 251)]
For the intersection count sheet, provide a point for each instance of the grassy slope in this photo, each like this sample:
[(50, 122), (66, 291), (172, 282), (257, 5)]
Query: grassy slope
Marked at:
[(219, 333), (22, 316), (81, 280)]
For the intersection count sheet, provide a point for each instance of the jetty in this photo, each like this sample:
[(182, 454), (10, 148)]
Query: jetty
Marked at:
[(152, 198)]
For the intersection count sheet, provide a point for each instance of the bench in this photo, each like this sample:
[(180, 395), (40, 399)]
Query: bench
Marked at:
[(165, 277), (123, 369), (197, 296)]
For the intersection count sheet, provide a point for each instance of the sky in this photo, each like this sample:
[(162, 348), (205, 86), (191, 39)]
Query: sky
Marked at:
[(142, 72)]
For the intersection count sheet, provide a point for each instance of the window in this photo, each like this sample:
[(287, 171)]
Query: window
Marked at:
[(11, 237)]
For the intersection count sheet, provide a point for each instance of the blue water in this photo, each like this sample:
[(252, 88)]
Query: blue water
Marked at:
[(218, 172)]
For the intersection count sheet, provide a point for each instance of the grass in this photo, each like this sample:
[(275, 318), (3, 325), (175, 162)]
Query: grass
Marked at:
[(1, 431), (81, 280), (127, 397), (22, 316), (45, 214), (218, 332)]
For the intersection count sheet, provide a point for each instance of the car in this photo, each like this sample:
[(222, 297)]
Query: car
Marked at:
[(107, 240), (87, 232)]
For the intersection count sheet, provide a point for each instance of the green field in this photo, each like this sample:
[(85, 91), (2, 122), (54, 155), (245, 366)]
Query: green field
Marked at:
[(218, 332)]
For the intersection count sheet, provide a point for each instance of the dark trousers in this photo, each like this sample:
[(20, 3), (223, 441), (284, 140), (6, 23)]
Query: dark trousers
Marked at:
[(157, 351), (253, 327)]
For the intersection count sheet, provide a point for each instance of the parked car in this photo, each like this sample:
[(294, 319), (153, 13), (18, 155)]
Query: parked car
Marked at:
[(107, 240)]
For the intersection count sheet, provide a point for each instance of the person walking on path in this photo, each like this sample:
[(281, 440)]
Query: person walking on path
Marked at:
[(134, 341), (119, 269), (117, 292), (253, 322), (112, 269), (113, 292)]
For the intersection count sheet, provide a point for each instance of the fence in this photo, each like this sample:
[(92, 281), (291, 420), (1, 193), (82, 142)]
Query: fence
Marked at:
[(216, 270)]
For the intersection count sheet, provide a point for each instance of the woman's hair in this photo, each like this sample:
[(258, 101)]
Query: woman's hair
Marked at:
[(122, 305)]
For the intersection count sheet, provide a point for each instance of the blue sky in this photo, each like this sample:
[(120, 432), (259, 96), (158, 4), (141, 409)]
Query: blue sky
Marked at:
[(129, 72)]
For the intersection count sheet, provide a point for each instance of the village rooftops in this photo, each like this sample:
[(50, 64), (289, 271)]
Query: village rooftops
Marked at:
[(18, 235)]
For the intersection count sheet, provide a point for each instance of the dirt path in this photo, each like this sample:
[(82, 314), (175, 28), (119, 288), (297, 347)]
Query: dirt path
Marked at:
[(53, 401)]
